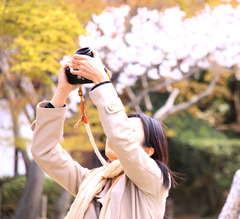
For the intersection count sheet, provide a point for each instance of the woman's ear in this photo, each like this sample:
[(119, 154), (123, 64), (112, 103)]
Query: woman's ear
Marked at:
[(149, 151)]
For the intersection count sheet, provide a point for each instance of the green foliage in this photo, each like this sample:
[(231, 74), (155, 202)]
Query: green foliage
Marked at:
[(188, 128), (207, 157), (198, 133), (13, 189), (53, 192)]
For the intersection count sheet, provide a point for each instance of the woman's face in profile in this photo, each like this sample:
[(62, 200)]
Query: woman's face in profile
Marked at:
[(138, 134)]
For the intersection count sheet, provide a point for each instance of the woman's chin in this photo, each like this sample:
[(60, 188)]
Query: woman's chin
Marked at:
[(111, 156)]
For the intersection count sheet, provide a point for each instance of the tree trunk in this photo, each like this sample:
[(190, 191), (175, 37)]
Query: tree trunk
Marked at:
[(169, 212), (0, 200), (62, 205), (29, 204), (212, 199), (18, 141), (236, 100), (16, 162), (16, 133), (26, 160)]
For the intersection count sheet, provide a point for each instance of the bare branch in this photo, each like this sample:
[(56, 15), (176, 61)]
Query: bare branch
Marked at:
[(159, 86), (168, 105), (30, 120), (193, 100), (147, 99), (133, 97)]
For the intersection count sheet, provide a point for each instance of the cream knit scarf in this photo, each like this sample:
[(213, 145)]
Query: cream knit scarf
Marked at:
[(91, 186)]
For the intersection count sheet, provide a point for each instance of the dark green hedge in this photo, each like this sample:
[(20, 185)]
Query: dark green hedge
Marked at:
[(208, 159), (13, 189)]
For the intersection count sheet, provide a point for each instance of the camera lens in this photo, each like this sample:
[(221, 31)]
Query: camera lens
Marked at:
[(84, 51)]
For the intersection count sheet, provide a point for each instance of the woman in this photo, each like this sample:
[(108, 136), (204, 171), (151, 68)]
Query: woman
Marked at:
[(138, 185)]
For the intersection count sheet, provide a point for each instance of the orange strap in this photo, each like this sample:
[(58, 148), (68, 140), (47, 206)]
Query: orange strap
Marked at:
[(83, 111)]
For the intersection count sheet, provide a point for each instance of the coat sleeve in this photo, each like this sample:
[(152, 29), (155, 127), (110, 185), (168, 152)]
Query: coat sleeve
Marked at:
[(231, 208), (138, 166), (48, 153)]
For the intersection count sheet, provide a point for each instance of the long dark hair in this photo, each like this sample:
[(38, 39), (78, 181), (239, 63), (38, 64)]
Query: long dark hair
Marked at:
[(155, 137)]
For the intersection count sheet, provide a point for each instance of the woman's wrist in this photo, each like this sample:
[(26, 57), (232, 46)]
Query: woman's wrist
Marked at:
[(101, 78), (100, 84), (59, 98)]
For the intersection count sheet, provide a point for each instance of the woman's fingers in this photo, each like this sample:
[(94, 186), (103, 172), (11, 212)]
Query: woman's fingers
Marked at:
[(81, 57), (65, 65), (88, 67), (77, 70), (75, 66), (79, 62), (95, 53)]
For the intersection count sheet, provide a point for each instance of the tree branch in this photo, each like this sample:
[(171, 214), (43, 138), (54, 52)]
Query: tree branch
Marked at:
[(159, 86), (147, 99), (182, 106), (168, 105), (133, 97)]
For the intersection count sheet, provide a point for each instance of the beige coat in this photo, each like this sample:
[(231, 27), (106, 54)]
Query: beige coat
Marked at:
[(138, 194)]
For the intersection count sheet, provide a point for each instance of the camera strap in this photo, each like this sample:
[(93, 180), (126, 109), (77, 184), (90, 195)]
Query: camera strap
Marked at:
[(84, 119)]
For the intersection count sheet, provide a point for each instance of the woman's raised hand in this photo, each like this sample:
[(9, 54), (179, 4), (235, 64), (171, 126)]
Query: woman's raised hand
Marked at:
[(63, 87), (88, 67)]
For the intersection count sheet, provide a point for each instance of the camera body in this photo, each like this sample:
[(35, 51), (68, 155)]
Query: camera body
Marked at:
[(76, 79)]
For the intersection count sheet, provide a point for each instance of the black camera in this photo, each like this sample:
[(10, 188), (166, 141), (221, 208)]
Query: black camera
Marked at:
[(76, 79)]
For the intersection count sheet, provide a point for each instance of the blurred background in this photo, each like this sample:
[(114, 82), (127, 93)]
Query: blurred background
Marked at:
[(176, 60)]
